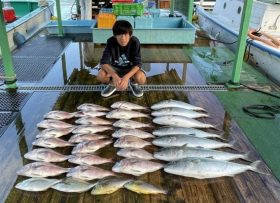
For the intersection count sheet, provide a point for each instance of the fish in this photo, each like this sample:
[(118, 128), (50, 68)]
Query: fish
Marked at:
[(90, 146), (58, 115), (191, 141), (135, 153), (180, 121), (128, 106), (36, 184), (77, 138), (73, 185), (142, 187), (51, 142), (54, 132), (134, 132), (41, 169), (136, 167), (109, 185), (163, 131), (45, 155), (90, 113), (176, 153), (175, 111), (89, 129), (202, 168), (88, 159), (51, 123), (124, 123), (130, 141), (92, 107), (174, 103), (87, 120), (125, 114), (86, 172)]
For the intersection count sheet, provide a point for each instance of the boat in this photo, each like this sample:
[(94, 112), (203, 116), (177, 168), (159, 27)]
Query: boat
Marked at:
[(223, 22), (30, 18)]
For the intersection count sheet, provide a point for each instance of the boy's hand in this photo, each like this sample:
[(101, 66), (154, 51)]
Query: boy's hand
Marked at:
[(116, 81), (124, 83)]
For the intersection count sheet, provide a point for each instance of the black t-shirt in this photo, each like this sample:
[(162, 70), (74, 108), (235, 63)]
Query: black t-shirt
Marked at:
[(122, 57)]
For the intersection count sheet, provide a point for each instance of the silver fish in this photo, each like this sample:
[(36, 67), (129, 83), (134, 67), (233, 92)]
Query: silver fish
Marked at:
[(89, 129), (77, 138), (90, 146), (174, 103), (208, 168), (163, 131), (142, 187), (51, 142), (125, 114), (176, 153), (191, 141), (130, 141), (92, 107), (36, 184), (88, 173), (127, 105), (51, 123), (180, 121), (93, 121), (136, 167), (109, 185), (135, 153), (59, 115), (134, 132), (54, 132), (88, 159), (73, 185), (41, 169), (123, 123), (90, 113), (45, 155), (175, 111)]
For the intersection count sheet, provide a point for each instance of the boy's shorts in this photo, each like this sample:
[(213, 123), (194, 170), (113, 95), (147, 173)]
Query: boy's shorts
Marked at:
[(122, 71)]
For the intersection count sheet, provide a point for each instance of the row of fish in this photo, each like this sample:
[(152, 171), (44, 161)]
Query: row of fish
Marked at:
[(188, 150), (103, 186)]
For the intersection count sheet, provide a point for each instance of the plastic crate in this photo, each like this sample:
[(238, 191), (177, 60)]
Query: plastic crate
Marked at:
[(130, 19), (106, 20), (133, 9), (144, 21)]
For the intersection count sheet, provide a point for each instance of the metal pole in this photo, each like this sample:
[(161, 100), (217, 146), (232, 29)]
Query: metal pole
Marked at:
[(10, 76), (171, 8), (190, 11), (59, 22), (245, 20)]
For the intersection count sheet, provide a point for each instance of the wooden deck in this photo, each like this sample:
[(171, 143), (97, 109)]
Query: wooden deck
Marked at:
[(245, 187)]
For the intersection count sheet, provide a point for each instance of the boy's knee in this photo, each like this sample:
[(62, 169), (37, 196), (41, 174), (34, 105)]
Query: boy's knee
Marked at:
[(102, 77), (140, 77)]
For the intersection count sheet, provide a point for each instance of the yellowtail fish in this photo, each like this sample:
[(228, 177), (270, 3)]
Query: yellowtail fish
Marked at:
[(174, 103), (175, 111), (142, 187)]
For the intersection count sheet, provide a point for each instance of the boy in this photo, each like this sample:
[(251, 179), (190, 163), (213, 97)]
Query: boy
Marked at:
[(121, 62)]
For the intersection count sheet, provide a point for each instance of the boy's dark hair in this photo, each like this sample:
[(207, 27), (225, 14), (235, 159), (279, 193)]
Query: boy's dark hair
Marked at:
[(122, 27)]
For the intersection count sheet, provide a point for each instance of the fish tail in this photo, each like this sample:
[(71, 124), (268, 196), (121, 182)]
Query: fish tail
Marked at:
[(232, 145), (248, 156), (255, 166)]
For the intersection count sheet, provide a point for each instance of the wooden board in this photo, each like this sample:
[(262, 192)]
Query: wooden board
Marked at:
[(246, 187)]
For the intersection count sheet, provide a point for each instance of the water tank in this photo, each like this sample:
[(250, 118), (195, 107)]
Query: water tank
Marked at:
[(9, 13)]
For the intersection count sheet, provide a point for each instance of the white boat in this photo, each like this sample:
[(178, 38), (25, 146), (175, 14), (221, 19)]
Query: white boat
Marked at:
[(223, 24), (31, 18)]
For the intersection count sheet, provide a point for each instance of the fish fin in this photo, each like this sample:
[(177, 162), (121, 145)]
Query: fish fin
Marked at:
[(221, 138), (209, 157), (256, 167), (185, 146)]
